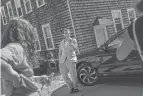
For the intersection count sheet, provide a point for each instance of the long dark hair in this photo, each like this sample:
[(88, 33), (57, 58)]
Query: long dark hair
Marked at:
[(21, 31)]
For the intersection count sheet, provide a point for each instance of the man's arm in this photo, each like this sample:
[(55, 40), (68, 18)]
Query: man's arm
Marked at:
[(74, 45), (60, 51), (8, 73)]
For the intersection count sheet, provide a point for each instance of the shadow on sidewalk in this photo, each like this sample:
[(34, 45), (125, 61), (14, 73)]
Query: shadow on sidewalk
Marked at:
[(108, 86), (63, 91)]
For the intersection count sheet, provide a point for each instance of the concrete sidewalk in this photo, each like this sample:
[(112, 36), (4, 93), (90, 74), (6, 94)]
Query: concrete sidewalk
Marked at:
[(105, 89)]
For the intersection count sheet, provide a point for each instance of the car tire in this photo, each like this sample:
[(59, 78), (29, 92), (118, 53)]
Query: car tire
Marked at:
[(87, 75)]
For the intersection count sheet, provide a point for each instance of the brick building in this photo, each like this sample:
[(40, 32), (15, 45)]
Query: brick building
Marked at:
[(50, 17)]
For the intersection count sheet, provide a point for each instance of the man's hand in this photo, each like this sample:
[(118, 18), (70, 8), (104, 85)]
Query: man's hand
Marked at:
[(73, 44), (60, 51)]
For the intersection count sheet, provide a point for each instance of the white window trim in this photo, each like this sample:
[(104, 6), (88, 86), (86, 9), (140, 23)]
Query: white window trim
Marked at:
[(43, 26), (9, 2), (130, 9), (106, 34), (114, 20), (17, 9), (3, 15), (36, 32), (26, 7), (38, 6)]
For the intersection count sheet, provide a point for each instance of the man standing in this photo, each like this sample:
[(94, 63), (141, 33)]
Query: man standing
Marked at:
[(68, 60)]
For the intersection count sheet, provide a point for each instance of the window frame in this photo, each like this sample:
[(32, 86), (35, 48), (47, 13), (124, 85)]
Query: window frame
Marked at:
[(50, 65), (131, 9), (17, 9), (38, 6), (9, 2), (122, 23), (26, 7), (3, 15), (105, 31), (37, 39), (44, 26)]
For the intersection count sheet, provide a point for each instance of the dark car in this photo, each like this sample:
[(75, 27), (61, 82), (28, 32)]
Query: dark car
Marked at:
[(102, 62)]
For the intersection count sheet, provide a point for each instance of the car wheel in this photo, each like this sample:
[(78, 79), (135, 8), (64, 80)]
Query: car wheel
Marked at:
[(87, 75)]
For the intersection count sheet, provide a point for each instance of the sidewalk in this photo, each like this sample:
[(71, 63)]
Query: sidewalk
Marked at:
[(84, 91), (109, 89)]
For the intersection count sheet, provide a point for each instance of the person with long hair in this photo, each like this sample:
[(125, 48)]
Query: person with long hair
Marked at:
[(17, 50)]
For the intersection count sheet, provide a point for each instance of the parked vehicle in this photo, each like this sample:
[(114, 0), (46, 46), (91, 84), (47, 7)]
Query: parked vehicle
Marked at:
[(102, 62)]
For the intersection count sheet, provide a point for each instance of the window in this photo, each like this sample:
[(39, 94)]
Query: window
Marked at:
[(100, 34), (27, 4), (52, 65), (117, 19), (18, 7), (131, 14), (40, 3), (10, 11), (3, 15), (38, 46), (48, 36)]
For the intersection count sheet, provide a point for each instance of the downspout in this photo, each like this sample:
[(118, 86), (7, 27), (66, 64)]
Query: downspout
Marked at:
[(68, 2)]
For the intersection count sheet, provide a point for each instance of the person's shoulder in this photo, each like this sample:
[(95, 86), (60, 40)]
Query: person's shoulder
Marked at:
[(15, 47), (12, 51), (139, 20), (139, 23), (12, 45)]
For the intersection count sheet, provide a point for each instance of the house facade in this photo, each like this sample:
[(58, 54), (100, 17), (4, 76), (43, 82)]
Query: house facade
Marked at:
[(50, 17)]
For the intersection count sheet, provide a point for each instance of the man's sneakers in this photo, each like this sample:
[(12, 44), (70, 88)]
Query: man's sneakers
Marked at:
[(71, 90), (74, 90)]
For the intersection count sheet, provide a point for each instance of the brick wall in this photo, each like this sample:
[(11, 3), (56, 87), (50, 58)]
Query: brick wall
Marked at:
[(55, 12), (84, 13)]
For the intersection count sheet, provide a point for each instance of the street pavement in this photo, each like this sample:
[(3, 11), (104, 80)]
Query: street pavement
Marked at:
[(108, 87)]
